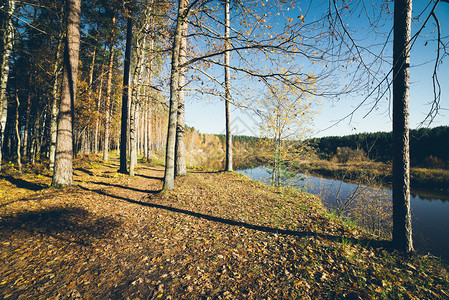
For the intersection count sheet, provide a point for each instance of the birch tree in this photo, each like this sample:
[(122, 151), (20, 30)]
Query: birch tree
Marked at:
[(107, 114), (227, 96), (180, 157), (8, 8)]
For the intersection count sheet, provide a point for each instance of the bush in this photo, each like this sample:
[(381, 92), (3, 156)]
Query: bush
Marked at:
[(433, 162), (345, 154)]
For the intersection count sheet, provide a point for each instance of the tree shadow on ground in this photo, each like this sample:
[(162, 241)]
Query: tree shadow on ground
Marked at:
[(20, 183), (150, 177), (73, 225), (85, 171), (300, 234), (121, 186), (206, 172)]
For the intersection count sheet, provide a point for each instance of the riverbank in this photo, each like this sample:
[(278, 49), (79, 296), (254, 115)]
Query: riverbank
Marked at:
[(378, 173), (218, 235), (431, 179)]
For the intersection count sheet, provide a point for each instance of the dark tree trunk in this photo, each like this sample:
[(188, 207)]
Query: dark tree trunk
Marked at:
[(125, 99), (63, 174), (402, 225)]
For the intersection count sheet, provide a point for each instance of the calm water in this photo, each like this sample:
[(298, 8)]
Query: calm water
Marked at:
[(430, 211)]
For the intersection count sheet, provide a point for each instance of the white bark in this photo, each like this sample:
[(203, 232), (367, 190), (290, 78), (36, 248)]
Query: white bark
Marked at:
[(180, 159), (8, 40), (227, 59)]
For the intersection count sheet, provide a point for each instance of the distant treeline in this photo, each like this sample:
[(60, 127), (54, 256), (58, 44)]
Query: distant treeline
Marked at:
[(246, 139), (427, 145)]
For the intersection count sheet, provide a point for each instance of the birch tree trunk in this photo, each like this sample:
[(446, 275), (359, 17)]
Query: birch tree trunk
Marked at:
[(132, 136), (107, 123), (149, 118), (146, 114), (180, 128), (169, 175), (63, 174), (97, 118), (227, 58), (402, 226), (27, 125), (8, 40), (137, 86), (54, 106), (16, 126)]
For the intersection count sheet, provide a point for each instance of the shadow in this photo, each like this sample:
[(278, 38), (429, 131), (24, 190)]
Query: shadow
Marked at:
[(206, 172), (266, 229), (72, 225), (149, 177), (121, 186), (85, 171), (101, 192), (20, 183)]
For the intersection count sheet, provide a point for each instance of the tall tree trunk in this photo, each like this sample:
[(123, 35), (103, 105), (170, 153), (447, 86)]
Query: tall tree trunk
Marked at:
[(141, 128), (27, 125), (16, 120), (145, 125), (54, 106), (227, 58), (169, 175), (107, 125), (132, 135), (97, 117), (180, 128), (7, 43), (63, 174), (35, 137), (149, 91), (125, 99), (402, 225), (91, 72), (137, 86)]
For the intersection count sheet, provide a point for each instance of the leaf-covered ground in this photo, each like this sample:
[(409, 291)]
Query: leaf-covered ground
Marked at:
[(216, 236)]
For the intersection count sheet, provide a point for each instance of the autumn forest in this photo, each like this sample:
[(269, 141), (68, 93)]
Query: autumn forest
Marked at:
[(108, 193)]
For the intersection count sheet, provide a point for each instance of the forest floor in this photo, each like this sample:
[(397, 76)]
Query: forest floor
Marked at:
[(218, 235)]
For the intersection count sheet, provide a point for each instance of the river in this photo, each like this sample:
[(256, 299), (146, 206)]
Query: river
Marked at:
[(430, 211)]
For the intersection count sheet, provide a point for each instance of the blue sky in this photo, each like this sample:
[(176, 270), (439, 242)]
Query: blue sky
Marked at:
[(207, 113)]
